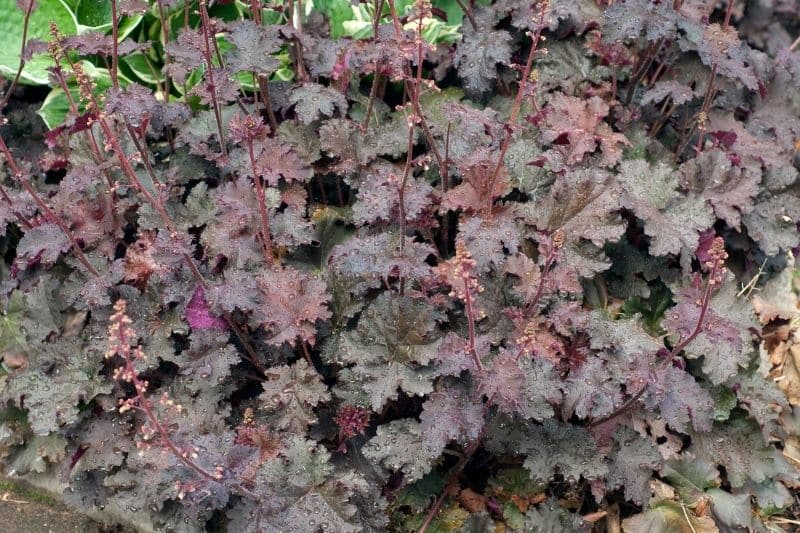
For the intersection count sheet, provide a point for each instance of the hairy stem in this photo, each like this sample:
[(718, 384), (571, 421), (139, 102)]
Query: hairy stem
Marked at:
[(266, 238), (114, 45), (512, 119), (212, 87), (468, 12)]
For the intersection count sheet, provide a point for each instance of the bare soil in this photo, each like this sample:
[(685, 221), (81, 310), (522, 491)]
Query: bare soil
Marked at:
[(27, 511)]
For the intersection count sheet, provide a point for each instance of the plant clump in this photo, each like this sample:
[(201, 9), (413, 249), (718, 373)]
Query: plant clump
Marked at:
[(405, 265)]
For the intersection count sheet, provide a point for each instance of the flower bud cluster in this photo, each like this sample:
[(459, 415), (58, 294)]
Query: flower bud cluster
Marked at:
[(460, 273), (120, 337), (54, 47), (352, 420), (558, 239), (527, 339), (86, 88), (715, 261), (119, 332), (246, 129)]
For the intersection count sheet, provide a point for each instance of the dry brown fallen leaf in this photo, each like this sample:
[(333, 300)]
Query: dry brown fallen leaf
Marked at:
[(472, 501), (6, 497)]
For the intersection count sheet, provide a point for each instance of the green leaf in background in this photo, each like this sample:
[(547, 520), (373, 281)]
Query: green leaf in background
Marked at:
[(143, 68), (55, 108), (355, 20), (11, 22), (338, 12), (95, 15), (11, 337)]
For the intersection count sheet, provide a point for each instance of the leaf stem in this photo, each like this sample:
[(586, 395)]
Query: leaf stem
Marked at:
[(452, 476)]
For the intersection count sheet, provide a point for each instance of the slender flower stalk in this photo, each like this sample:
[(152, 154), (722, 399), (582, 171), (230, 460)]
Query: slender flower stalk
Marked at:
[(165, 32), (212, 87), (30, 5), (56, 51), (515, 107), (114, 45), (121, 338), (716, 267), (459, 272), (412, 86), (122, 343), (247, 130), (556, 243), (157, 204), (376, 77)]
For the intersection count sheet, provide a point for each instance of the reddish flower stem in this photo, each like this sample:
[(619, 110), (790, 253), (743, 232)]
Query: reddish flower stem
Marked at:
[(266, 238), (414, 93), (212, 87), (114, 45), (728, 13), (468, 12), (25, 24), (130, 174), (471, 326), (120, 344), (512, 119), (266, 99), (147, 408), (548, 265)]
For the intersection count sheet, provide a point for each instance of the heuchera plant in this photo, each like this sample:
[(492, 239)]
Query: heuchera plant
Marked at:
[(467, 284)]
